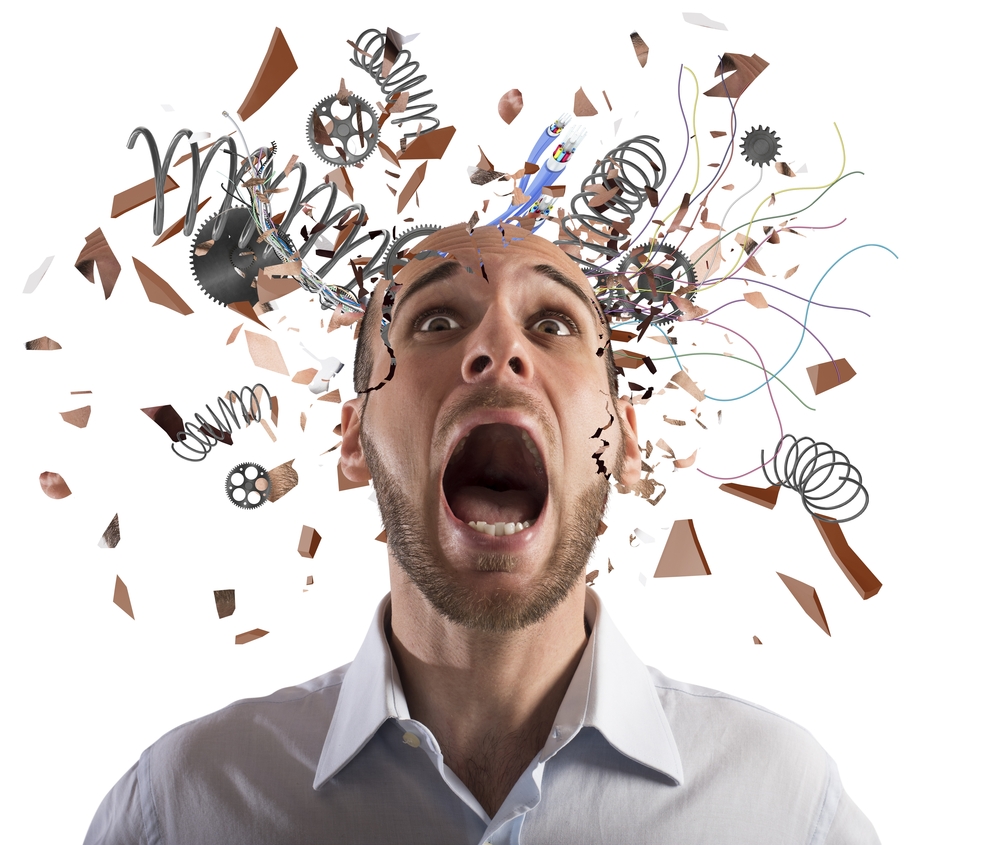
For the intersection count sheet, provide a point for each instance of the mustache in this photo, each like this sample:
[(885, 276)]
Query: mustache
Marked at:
[(493, 396)]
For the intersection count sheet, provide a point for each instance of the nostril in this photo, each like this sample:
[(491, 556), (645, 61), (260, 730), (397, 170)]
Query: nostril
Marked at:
[(515, 365), (481, 363)]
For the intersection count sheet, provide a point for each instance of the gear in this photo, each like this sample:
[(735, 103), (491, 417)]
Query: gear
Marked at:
[(226, 271), (248, 485), (760, 146), (671, 272), (394, 259), (339, 124)]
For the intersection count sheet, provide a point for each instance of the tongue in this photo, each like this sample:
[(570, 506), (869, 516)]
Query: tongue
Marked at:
[(481, 504)]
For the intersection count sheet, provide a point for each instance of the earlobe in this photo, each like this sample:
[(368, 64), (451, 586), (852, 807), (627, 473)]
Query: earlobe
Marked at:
[(352, 456), (632, 465)]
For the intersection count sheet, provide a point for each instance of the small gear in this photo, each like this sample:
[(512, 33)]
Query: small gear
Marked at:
[(248, 485), (395, 258), (670, 272), (760, 146), (224, 270), (338, 124)]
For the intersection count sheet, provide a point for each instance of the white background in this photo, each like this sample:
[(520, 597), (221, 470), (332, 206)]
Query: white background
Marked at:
[(899, 695)]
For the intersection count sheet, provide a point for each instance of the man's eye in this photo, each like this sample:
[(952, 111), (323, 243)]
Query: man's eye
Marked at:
[(436, 323), (553, 325)]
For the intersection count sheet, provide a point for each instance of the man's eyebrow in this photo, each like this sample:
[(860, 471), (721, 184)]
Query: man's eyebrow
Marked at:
[(436, 274), (562, 279)]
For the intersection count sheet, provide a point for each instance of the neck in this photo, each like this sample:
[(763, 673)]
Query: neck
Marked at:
[(490, 699)]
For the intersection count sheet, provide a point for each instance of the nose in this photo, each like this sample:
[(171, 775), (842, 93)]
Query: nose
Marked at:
[(497, 350)]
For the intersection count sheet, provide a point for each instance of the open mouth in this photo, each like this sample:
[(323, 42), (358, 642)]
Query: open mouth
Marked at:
[(495, 481)]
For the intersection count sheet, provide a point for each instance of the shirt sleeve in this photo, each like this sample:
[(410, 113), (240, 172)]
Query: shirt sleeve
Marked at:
[(118, 820), (850, 826)]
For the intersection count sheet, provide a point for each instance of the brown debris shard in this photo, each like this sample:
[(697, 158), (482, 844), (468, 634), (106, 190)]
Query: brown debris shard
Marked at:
[(305, 376), (382, 537), (78, 416), (158, 291), (265, 353), (641, 50), (830, 374), (582, 107), (283, 479), (274, 71), (121, 597), (755, 298), (332, 396), (429, 145), (756, 640), (309, 580), (344, 483), (112, 535), (411, 187), (715, 133), (682, 554), (97, 251), (742, 69), (684, 381), (309, 541), (225, 602), (168, 419), (510, 105), (629, 360), (860, 576), (592, 577), (138, 195), (782, 168), (250, 636), (43, 344), (808, 600), (53, 485), (790, 273), (766, 497)]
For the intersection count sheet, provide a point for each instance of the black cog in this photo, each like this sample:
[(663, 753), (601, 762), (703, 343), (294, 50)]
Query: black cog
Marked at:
[(339, 123), (248, 485), (223, 269), (760, 146), (394, 259), (670, 269)]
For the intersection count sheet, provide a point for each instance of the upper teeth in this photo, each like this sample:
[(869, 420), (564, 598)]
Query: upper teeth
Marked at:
[(500, 529)]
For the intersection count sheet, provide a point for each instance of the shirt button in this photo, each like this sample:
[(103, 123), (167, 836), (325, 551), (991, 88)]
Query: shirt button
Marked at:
[(411, 739)]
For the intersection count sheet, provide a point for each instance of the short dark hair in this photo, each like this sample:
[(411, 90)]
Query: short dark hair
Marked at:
[(364, 354)]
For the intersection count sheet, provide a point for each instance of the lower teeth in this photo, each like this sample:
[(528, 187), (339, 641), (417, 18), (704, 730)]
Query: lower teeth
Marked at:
[(500, 529)]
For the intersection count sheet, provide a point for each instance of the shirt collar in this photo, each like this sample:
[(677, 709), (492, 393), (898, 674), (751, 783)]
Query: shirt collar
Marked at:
[(610, 691)]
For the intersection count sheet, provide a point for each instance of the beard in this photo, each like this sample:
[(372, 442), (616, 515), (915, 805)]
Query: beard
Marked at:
[(501, 610)]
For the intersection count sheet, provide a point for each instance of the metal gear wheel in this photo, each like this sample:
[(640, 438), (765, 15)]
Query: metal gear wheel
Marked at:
[(394, 260), (760, 146), (248, 485), (226, 271), (671, 272), (340, 123)]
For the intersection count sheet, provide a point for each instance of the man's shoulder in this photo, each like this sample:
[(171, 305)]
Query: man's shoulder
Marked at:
[(747, 733)]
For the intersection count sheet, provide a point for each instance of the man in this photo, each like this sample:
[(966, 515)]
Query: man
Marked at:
[(493, 701)]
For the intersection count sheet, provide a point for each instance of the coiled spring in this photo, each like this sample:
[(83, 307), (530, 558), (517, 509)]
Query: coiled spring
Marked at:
[(203, 435), (823, 477), (404, 76)]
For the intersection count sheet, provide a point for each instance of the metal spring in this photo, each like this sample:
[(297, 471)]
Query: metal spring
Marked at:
[(402, 77), (809, 469), (330, 217), (639, 165), (206, 435)]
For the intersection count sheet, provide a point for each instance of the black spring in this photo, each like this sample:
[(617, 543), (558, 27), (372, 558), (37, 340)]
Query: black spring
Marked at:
[(206, 435), (404, 76), (823, 477)]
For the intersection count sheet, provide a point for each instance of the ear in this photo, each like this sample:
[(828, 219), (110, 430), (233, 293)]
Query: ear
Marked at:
[(632, 465), (352, 456)]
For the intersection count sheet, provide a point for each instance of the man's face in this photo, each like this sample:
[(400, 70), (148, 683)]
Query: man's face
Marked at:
[(482, 445)]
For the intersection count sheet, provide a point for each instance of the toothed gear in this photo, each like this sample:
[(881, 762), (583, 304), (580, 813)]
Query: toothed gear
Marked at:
[(248, 485), (218, 271), (341, 123), (760, 146), (671, 271), (394, 260)]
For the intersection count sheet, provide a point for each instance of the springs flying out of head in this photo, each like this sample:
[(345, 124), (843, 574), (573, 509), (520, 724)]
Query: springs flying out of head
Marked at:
[(823, 477), (402, 78)]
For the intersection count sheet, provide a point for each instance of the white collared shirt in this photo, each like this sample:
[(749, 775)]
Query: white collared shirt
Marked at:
[(339, 760)]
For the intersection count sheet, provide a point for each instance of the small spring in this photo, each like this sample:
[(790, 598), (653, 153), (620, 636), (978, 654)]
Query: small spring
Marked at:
[(402, 77), (810, 469), (206, 435)]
